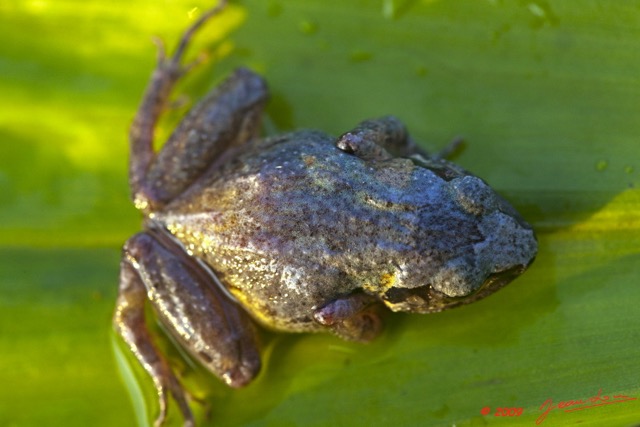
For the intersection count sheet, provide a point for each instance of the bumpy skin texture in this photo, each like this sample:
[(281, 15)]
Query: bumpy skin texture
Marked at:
[(301, 232), (292, 223)]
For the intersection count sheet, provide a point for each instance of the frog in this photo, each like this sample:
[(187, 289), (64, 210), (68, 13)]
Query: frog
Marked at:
[(297, 232)]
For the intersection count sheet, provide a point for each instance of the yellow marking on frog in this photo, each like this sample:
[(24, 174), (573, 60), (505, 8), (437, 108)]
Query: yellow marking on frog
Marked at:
[(140, 202), (369, 288), (387, 280), (308, 160), (176, 229), (384, 283), (256, 311)]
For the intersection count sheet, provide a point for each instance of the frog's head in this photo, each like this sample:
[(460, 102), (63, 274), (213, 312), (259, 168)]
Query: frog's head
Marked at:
[(505, 250)]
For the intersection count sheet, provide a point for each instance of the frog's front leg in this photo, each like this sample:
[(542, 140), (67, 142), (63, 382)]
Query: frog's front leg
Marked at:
[(354, 317), (385, 138), (195, 310), (378, 139), (230, 115)]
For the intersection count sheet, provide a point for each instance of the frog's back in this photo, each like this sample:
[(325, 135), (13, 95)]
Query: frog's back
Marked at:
[(293, 222)]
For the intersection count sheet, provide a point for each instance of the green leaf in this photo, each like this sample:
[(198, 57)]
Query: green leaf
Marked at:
[(545, 94)]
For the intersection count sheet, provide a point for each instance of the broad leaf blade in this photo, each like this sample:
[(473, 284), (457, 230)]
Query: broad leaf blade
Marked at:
[(545, 95)]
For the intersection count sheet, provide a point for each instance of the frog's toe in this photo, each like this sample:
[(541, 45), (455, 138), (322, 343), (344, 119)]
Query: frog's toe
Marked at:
[(242, 374), (364, 327)]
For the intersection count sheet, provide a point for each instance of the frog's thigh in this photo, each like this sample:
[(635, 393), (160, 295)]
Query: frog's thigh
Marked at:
[(129, 322), (378, 139), (195, 310), (354, 317), (228, 116)]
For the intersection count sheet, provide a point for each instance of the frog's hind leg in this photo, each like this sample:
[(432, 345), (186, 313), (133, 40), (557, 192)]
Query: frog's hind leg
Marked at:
[(229, 115), (194, 310), (129, 322)]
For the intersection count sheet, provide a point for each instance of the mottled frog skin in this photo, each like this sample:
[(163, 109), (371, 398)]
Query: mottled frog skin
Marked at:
[(299, 232), (293, 222)]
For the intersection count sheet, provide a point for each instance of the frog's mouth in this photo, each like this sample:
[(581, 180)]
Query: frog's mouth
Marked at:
[(425, 299)]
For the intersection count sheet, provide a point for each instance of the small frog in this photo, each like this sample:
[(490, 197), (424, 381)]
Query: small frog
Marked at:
[(299, 232)]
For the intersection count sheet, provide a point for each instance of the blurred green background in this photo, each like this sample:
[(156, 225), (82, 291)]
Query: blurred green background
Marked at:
[(547, 96)]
